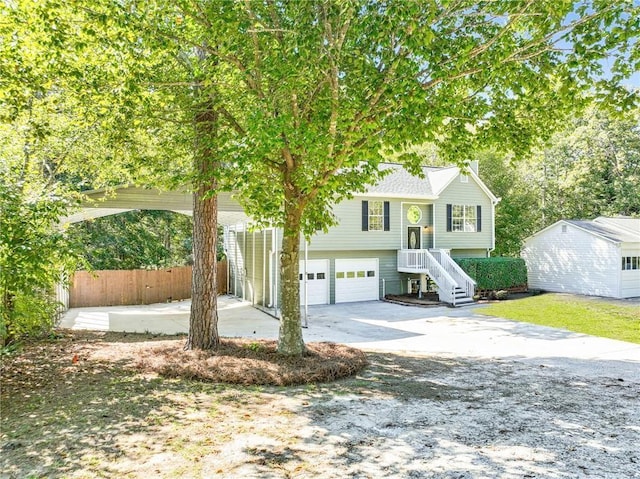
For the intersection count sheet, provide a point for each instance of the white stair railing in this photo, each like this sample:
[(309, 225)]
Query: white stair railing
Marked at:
[(462, 279), (421, 260)]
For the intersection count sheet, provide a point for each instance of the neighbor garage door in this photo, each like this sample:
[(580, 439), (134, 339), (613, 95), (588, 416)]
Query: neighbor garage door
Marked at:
[(357, 280), (317, 281), (630, 274)]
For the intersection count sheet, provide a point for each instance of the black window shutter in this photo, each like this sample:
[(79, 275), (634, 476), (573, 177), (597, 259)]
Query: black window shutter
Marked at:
[(386, 216), (365, 216), (479, 219), (449, 215)]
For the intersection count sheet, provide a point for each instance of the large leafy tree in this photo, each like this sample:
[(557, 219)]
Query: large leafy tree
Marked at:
[(590, 168), (35, 121), (293, 103), (516, 216), (309, 94), (87, 105), (64, 127)]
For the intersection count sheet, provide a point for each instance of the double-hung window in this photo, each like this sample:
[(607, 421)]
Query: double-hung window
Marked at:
[(375, 216), (630, 262), (465, 218)]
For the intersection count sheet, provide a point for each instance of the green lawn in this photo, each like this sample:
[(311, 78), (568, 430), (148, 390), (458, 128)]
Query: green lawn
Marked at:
[(579, 314)]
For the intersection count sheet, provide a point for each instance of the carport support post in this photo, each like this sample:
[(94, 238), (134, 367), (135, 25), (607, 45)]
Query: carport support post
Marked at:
[(306, 286), (264, 268), (253, 268)]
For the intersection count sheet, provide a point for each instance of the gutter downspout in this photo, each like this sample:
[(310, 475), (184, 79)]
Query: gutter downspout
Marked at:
[(493, 227), (433, 212), (244, 261), (276, 299)]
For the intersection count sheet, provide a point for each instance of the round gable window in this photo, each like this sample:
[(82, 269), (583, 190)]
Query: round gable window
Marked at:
[(414, 214)]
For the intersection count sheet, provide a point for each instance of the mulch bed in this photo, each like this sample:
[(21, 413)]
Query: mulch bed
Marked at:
[(75, 354), (428, 299), (250, 361)]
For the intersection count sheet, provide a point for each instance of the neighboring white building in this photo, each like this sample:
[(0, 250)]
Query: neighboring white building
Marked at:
[(597, 258)]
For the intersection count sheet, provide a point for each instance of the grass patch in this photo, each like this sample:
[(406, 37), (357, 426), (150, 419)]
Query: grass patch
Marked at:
[(592, 316)]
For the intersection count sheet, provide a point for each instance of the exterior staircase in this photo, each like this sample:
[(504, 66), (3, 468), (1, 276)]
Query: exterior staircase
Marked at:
[(461, 298), (455, 287)]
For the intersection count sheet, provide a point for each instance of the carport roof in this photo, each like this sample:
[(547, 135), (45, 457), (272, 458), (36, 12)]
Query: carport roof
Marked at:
[(105, 202)]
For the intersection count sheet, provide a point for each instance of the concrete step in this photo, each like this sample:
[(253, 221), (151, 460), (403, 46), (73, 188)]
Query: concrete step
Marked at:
[(464, 301)]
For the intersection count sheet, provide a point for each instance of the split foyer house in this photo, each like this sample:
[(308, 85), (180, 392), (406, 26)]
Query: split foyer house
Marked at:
[(400, 235)]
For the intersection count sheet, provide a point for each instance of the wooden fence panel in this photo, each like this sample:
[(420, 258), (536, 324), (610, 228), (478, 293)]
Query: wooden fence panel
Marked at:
[(117, 288)]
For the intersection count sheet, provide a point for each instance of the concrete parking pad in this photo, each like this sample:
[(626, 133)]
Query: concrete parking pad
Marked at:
[(236, 319)]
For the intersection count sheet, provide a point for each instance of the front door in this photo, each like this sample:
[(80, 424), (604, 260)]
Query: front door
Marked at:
[(413, 237)]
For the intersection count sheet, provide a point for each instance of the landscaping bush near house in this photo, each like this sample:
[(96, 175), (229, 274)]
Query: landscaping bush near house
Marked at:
[(496, 273)]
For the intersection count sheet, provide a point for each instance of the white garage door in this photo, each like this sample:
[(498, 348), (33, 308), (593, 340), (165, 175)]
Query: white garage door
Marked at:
[(630, 274), (357, 280), (630, 286), (317, 281)]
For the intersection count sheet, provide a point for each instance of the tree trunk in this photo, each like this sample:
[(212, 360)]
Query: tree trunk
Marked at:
[(7, 312), (290, 341), (203, 321)]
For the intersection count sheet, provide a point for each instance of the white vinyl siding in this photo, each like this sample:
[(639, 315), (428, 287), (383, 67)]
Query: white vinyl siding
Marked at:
[(573, 262)]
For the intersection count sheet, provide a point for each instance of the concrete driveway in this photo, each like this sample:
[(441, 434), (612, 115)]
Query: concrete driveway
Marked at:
[(377, 325)]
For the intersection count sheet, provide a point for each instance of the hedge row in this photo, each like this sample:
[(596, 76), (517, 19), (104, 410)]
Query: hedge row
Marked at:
[(495, 273)]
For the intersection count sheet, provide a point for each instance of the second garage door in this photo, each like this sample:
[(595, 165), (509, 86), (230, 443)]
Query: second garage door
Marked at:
[(357, 280), (317, 281)]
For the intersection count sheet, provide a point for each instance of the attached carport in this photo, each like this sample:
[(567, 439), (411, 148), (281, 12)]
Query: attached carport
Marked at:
[(246, 277)]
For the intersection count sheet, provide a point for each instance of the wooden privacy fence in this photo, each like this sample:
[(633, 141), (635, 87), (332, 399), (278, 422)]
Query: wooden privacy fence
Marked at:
[(138, 286)]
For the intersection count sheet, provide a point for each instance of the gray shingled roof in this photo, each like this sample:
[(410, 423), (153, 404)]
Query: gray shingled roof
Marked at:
[(402, 183), (612, 234), (625, 223)]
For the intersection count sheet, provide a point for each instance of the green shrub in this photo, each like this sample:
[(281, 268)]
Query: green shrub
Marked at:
[(34, 256), (495, 273)]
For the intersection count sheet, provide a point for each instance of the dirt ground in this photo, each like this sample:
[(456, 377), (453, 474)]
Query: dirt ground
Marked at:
[(75, 408)]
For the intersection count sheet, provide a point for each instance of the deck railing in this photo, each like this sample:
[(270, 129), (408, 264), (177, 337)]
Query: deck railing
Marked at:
[(463, 280)]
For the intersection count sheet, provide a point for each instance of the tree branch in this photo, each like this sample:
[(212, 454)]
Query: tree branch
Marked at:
[(232, 121)]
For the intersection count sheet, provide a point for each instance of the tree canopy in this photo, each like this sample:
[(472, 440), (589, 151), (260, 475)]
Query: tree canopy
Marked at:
[(294, 104), (590, 168)]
